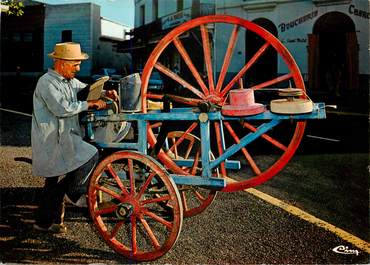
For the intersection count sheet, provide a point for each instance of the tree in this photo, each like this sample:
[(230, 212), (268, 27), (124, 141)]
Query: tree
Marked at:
[(15, 7)]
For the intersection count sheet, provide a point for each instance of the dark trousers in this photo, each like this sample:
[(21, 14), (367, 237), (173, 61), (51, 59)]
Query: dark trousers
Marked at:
[(74, 185)]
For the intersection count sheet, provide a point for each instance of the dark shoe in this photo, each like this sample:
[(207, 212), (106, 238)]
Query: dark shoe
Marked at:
[(54, 228)]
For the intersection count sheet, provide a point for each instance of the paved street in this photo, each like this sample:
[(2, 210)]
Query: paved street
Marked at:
[(237, 229)]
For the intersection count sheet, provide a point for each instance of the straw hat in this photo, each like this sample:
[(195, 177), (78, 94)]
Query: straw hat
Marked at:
[(68, 51)]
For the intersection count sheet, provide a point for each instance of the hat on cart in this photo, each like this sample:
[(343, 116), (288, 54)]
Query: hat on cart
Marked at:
[(68, 51), (242, 104)]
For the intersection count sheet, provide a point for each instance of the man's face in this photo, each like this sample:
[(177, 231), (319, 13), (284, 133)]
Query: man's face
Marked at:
[(68, 69)]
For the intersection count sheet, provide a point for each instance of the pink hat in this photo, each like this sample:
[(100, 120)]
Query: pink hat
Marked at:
[(242, 104)]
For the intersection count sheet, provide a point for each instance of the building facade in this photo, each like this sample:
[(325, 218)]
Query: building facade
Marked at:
[(329, 39), (154, 19), (26, 40)]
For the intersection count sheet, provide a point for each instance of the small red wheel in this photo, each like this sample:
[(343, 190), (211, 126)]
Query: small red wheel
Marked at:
[(184, 146), (135, 205), (200, 85)]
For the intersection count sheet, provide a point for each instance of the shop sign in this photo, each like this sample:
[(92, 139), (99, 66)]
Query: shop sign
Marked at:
[(176, 19), (291, 24), (296, 40), (358, 12)]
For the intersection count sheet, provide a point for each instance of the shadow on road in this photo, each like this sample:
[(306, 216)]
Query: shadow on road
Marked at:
[(21, 244)]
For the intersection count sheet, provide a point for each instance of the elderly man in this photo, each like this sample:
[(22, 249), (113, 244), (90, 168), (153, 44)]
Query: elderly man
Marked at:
[(58, 151)]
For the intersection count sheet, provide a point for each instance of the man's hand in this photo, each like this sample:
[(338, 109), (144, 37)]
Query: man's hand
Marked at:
[(97, 104), (112, 94)]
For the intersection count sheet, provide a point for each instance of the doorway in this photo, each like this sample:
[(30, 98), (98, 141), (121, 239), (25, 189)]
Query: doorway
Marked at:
[(333, 55), (266, 67)]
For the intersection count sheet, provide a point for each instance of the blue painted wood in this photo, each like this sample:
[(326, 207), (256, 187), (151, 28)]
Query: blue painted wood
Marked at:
[(90, 131), (244, 141), (229, 164), (211, 183), (205, 148), (142, 136), (119, 146), (187, 115)]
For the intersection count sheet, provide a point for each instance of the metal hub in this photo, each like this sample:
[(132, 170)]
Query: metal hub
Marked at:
[(124, 210)]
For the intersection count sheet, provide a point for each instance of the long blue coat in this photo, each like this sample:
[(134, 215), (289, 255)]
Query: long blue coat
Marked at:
[(57, 144)]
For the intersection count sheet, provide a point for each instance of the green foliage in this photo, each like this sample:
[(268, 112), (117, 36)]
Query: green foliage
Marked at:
[(15, 7)]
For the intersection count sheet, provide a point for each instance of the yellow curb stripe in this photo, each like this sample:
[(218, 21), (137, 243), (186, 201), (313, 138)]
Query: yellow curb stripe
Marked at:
[(358, 242)]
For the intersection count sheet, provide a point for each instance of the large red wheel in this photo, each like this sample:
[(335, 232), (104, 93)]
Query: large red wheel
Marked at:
[(265, 157), (135, 205)]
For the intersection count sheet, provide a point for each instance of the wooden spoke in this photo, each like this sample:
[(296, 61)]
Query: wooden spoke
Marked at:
[(116, 229), (184, 100), (158, 219), (265, 136), (155, 125), (132, 176), (199, 196), (207, 57), (133, 234), (106, 210), (154, 96), (174, 148), (150, 233), (195, 164), (146, 184), (181, 139), (184, 201), (108, 191), (190, 65), (178, 79), (245, 68), (249, 158), (273, 81), (155, 200), (189, 148), (116, 177), (227, 59)]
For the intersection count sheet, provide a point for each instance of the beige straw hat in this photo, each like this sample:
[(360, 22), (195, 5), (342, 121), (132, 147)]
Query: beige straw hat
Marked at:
[(68, 51)]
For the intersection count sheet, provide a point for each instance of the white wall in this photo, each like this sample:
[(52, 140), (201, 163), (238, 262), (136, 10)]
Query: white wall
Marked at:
[(363, 36), (295, 38), (112, 29)]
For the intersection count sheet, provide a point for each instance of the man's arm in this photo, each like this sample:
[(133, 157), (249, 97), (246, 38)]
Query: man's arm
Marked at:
[(57, 103)]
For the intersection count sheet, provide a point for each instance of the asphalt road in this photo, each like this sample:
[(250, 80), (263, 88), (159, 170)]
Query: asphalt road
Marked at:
[(237, 228)]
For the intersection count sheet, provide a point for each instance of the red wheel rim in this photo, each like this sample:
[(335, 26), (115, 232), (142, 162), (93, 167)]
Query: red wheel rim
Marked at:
[(217, 92), (126, 195)]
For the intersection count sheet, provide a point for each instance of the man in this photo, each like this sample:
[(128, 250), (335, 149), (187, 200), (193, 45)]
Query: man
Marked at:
[(57, 145)]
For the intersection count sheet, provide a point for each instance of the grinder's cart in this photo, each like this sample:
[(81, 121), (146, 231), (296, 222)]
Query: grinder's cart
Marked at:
[(139, 195)]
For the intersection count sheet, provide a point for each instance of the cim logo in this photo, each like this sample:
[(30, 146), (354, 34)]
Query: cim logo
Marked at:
[(345, 250)]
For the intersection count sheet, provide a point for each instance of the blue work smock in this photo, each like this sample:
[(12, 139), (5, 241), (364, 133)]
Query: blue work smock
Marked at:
[(57, 144)]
